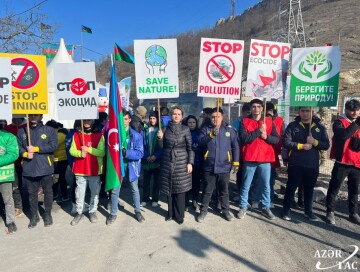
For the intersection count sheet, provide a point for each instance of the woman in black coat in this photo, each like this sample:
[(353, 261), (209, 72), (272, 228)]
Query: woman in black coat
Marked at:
[(176, 164)]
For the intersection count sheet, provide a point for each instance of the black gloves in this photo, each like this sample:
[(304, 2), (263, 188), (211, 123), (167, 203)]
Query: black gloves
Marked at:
[(124, 152)]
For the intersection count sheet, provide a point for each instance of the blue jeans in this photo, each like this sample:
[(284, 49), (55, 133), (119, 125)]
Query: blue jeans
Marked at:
[(94, 185), (135, 194), (263, 178), (256, 195), (115, 200)]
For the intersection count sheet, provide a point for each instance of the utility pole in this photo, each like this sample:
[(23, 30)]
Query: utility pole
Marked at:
[(232, 8), (296, 33)]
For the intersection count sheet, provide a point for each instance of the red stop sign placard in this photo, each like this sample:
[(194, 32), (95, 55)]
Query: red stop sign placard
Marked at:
[(79, 86)]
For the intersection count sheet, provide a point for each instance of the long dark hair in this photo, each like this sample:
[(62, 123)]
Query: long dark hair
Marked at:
[(185, 121)]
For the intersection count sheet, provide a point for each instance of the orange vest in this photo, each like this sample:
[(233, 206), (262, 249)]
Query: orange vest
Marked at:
[(89, 165), (258, 150), (349, 156), (279, 124)]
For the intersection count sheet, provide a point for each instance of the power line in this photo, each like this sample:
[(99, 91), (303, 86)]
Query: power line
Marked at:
[(33, 7)]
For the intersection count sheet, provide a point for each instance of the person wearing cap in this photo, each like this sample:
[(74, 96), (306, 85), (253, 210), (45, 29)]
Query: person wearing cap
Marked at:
[(150, 163), (37, 152), (221, 156), (304, 139), (9, 152), (346, 152), (257, 137)]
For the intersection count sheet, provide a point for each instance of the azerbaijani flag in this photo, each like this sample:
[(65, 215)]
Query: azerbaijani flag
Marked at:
[(50, 49), (45, 26), (115, 170), (86, 29), (122, 54)]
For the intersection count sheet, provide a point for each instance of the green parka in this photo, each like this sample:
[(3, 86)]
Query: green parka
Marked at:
[(9, 152)]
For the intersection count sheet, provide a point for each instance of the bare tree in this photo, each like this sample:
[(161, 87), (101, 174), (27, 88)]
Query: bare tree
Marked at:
[(24, 31)]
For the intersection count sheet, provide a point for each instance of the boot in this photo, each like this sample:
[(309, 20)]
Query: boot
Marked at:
[(48, 221), (33, 221)]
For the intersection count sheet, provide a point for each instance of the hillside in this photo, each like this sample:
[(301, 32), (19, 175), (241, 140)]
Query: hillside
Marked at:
[(325, 21)]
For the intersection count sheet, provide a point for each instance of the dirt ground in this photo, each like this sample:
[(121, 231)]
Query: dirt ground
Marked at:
[(251, 244)]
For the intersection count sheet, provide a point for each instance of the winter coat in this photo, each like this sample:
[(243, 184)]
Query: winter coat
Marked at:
[(220, 151), (295, 137), (134, 153), (45, 142), (153, 150), (177, 153), (9, 152)]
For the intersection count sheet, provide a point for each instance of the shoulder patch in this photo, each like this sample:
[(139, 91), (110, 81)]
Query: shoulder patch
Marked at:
[(317, 129), (43, 136), (227, 134)]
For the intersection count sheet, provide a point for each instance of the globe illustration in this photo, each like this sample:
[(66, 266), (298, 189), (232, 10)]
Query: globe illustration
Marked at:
[(155, 55)]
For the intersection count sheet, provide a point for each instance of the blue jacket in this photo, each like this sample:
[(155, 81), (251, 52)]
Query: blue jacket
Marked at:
[(220, 151), (134, 153)]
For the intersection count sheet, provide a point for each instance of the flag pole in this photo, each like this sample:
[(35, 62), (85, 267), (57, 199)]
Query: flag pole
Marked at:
[(28, 129), (82, 45)]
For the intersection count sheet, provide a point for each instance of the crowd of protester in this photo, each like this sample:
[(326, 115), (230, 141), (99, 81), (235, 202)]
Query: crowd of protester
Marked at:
[(189, 160)]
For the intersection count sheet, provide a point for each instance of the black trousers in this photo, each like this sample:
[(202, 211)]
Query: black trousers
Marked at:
[(18, 189), (219, 181), (338, 174), (148, 174), (193, 194), (33, 184), (60, 169), (296, 176), (176, 206)]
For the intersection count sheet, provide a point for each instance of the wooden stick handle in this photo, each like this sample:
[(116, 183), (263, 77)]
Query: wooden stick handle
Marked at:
[(82, 133), (310, 121), (264, 108), (28, 129), (159, 114)]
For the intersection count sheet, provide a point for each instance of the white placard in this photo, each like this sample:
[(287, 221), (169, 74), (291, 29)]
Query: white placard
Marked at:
[(156, 67), (76, 94), (267, 69), (5, 89), (220, 68)]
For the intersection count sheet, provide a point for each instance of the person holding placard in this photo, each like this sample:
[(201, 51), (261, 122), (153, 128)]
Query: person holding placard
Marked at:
[(37, 148), (346, 151), (257, 137), (221, 156), (88, 150), (304, 139), (176, 164)]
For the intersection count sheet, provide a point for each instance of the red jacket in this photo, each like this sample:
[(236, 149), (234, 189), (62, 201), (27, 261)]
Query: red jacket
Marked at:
[(348, 156), (92, 164), (254, 148), (279, 125)]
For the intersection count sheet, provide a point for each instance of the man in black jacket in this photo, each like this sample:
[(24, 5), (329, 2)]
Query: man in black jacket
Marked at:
[(38, 165), (304, 138), (346, 151)]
